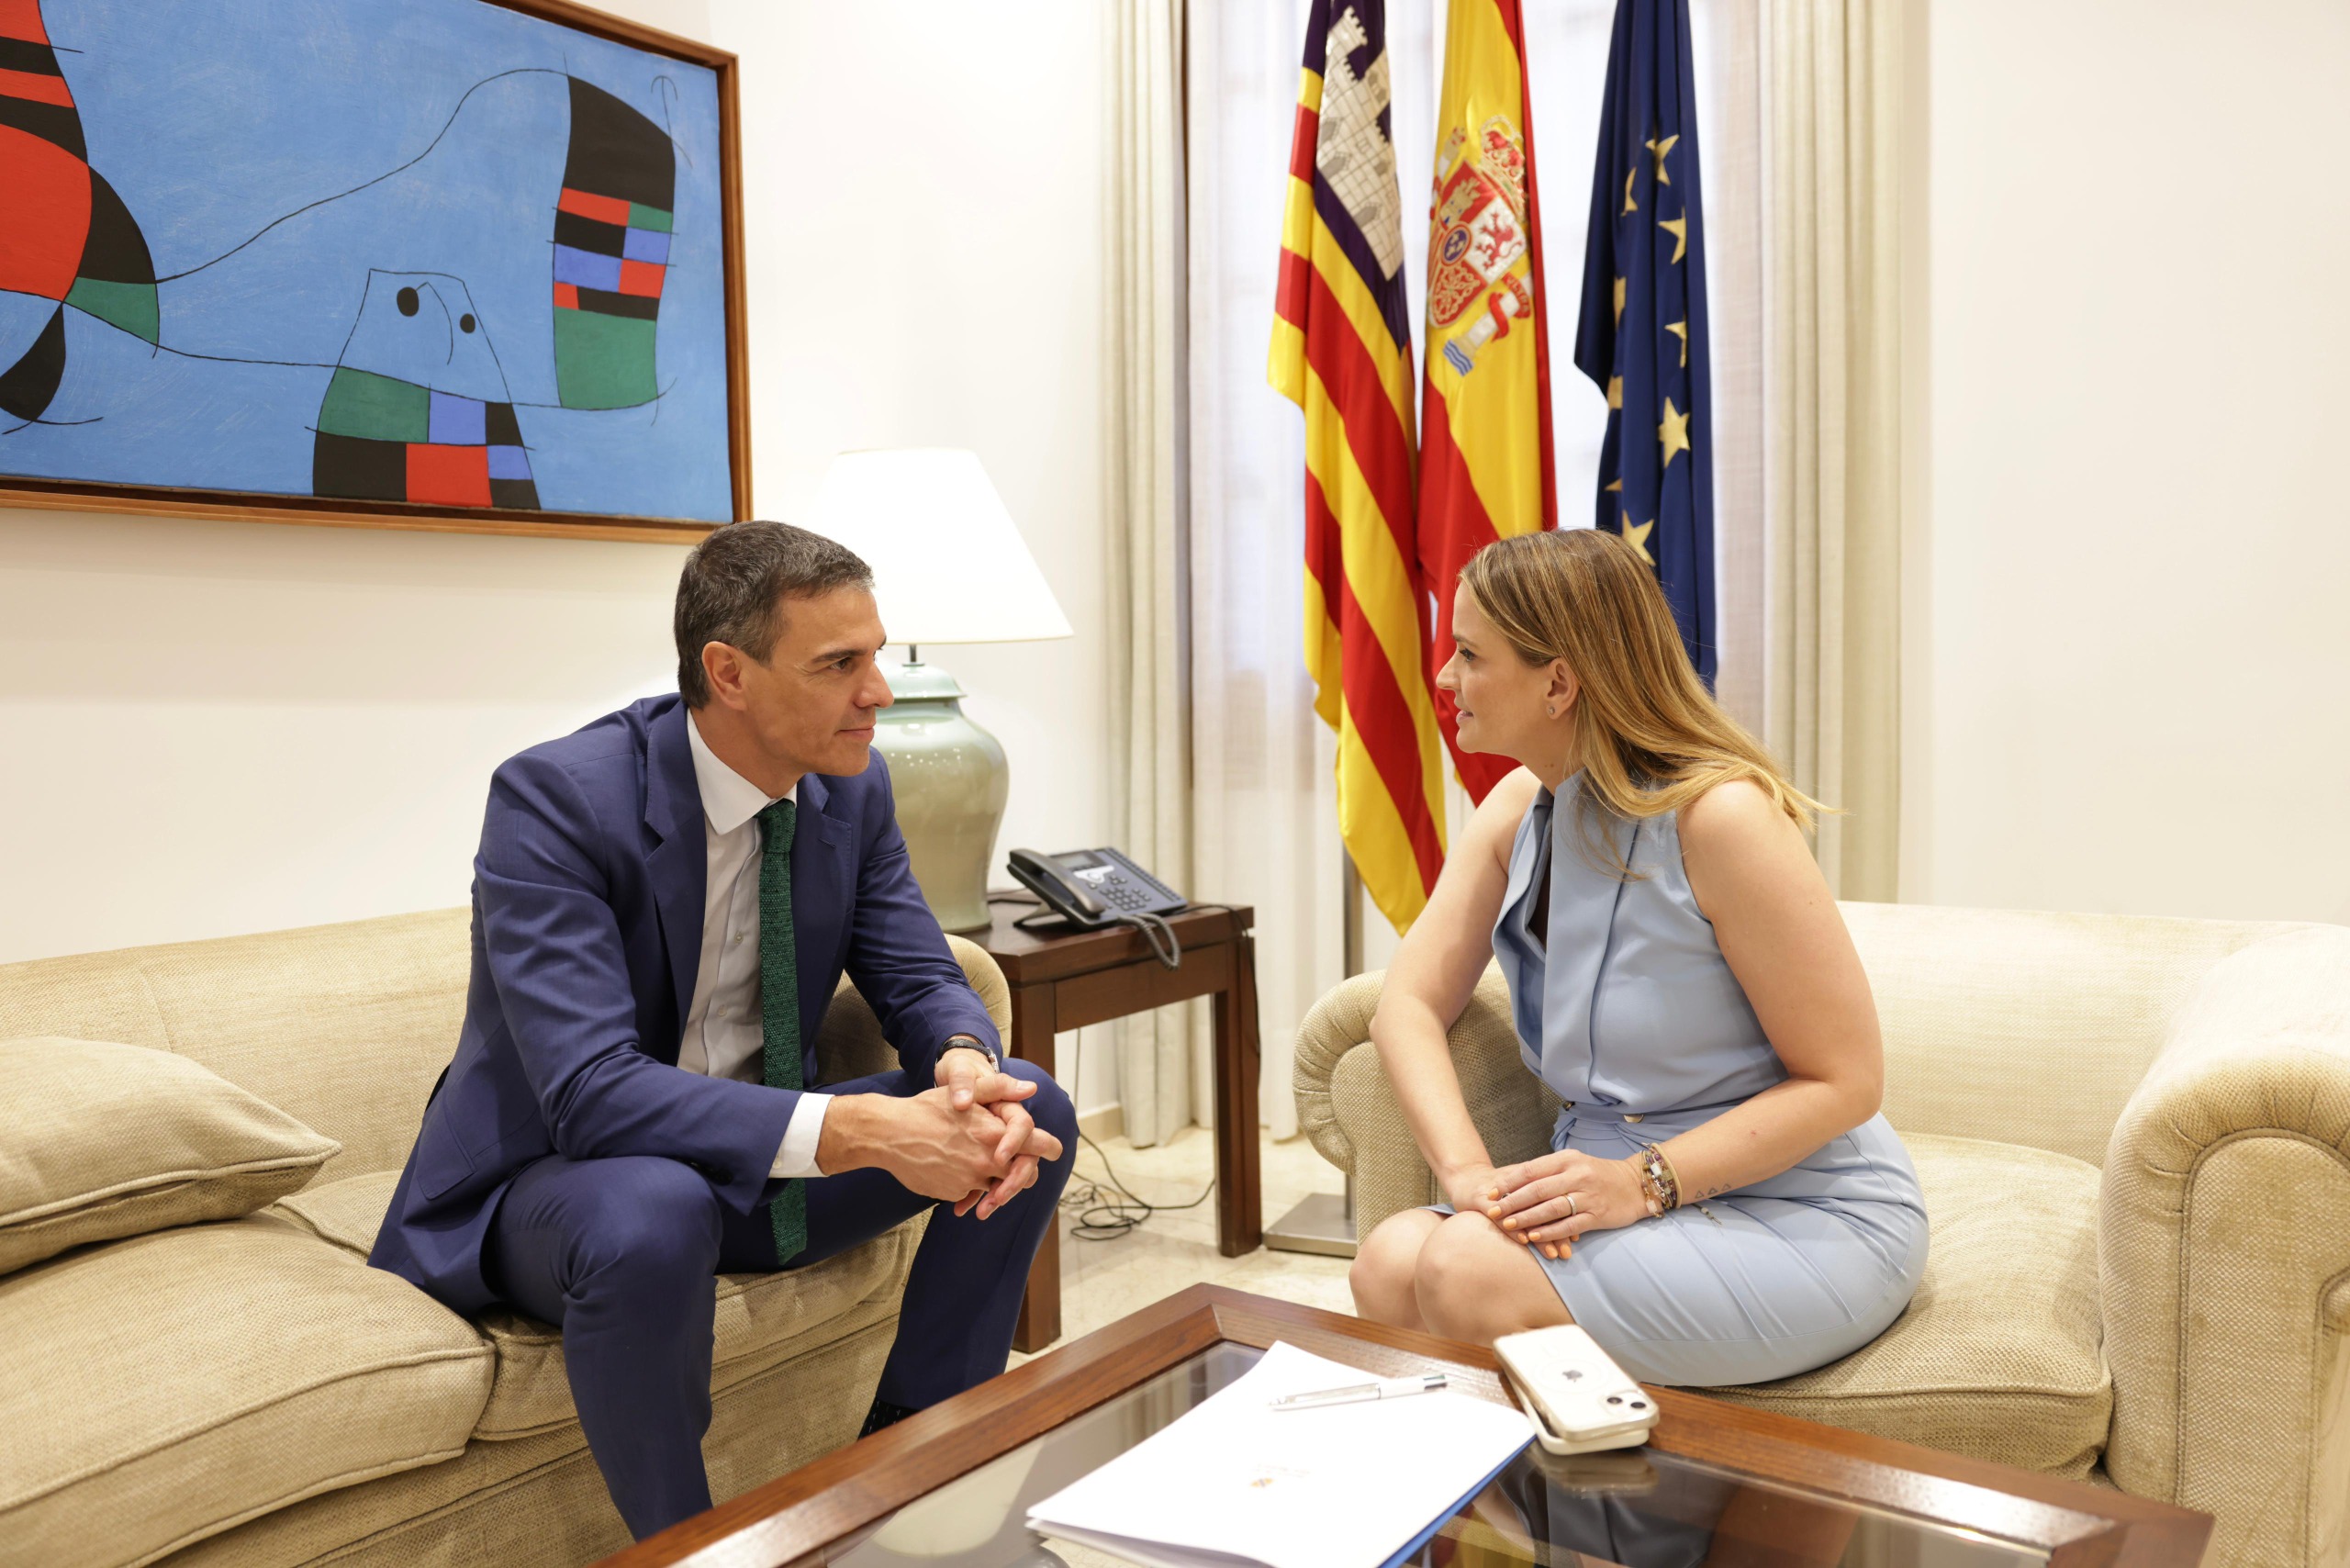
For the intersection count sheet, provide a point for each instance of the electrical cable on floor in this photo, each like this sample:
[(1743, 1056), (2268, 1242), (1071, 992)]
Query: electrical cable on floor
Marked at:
[(1108, 1210)]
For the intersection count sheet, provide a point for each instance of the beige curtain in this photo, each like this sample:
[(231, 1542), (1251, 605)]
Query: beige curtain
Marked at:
[(1728, 51), (1146, 505), (1831, 354)]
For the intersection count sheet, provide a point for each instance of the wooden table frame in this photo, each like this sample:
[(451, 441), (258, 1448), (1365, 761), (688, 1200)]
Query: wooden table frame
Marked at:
[(1064, 978), (793, 1519)]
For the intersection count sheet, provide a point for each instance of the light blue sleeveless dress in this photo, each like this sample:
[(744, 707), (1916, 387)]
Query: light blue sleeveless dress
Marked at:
[(1636, 1023)]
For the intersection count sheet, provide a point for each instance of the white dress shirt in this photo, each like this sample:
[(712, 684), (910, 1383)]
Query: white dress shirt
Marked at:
[(725, 1028)]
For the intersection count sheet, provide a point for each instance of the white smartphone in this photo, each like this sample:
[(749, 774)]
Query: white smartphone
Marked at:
[(1581, 1400)]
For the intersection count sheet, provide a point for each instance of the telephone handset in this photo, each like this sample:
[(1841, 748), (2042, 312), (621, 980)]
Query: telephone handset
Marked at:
[(1093, 887)]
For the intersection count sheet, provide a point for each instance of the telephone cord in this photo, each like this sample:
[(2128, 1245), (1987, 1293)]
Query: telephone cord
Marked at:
[(1164, 942), (1165, 946)]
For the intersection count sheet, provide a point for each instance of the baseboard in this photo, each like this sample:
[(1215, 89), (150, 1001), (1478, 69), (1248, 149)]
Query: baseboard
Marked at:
[(1103, 1122)]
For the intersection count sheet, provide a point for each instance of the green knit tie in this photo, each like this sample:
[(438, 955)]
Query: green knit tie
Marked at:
[(779, 1005)]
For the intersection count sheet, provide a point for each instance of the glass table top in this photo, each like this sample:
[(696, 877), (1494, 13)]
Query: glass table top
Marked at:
[(1633, 1508)]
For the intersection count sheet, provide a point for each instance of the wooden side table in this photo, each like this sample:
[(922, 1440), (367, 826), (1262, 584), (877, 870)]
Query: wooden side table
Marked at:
[(1064, 978)]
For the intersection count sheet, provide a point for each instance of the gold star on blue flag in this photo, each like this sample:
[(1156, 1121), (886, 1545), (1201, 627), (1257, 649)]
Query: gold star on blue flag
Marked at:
[(1642, 338)]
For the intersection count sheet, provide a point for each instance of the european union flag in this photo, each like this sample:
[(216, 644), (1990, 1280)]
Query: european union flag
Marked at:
[(1642, 336)]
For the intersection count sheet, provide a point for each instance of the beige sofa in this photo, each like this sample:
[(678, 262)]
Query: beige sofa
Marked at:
[(248, 1393), (2134, 1139)]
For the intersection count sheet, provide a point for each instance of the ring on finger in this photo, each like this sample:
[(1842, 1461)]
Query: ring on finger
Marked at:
[(1572, 1208)]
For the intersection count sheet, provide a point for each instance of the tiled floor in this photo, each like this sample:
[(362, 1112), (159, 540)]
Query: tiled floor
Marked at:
[(1103, 1281)]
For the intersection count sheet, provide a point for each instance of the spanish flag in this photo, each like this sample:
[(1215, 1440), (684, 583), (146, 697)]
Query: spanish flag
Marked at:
[(1342, 351), (1485, 468)]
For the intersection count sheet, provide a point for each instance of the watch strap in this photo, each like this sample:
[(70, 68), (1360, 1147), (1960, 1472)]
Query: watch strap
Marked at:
[(971, 1042)]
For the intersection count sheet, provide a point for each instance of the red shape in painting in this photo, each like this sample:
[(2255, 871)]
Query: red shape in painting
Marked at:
[(44, 213), (641, 279), (21, 19), (448, 476)]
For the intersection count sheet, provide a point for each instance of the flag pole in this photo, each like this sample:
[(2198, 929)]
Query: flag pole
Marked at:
[(1324, 1223), (1351, 917)]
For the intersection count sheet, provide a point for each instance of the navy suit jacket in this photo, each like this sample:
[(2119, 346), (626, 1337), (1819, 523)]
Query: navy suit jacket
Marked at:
[(586, 938)]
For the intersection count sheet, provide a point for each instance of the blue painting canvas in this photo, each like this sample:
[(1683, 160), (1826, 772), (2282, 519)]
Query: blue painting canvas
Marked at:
[(432, 251)]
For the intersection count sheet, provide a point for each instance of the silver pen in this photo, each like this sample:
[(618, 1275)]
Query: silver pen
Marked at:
[(1354, 1392)]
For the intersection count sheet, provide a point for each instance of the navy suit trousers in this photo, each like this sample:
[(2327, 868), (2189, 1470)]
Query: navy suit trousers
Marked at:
[(624, 1254)]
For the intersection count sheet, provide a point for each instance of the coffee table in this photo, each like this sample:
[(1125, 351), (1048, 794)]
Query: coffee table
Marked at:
[(1718, 1483)]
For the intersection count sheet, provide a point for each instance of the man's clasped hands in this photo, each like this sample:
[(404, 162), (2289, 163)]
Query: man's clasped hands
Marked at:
[(968, 1140)]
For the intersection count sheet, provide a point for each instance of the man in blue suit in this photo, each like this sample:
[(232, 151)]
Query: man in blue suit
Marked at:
[(663, 904)]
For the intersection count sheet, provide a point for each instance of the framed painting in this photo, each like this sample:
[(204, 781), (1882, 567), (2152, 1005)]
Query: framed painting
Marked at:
[(454, 264)]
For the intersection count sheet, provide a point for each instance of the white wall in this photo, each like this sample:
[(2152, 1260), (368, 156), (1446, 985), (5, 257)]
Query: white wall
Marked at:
[(2139, 544), (215, 728), (219, 728), (923, 187)]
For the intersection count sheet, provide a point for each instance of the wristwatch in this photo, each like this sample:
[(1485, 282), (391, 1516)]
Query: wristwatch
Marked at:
[(969, 1043)]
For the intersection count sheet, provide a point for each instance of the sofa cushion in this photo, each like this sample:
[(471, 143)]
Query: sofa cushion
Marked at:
[(1998, 1355), (348, 1212), (108, 1140), (762, 1318), (540, 1503), (167, 1387)]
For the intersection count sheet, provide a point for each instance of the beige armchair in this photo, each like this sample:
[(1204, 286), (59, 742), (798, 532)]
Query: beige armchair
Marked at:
[(2134, 1140)]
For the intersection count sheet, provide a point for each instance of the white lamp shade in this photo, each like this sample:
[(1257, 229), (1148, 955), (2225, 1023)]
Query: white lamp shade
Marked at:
[(948, 564)]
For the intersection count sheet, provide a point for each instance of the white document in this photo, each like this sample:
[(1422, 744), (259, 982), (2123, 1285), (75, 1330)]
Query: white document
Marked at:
[(1235, 1481)]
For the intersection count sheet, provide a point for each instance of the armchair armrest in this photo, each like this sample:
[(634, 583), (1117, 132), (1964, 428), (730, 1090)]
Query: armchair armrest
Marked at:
[(1346, 1105), (850, 1044), (2225, 1252)]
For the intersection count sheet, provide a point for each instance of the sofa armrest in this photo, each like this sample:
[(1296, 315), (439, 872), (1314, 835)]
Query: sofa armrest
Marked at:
[(2225, 1252), (850, 1044), (1346, 1105)]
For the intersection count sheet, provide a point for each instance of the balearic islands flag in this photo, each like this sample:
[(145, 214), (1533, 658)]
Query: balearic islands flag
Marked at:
[(1485, 468), (1642, 336), (1342, 351)]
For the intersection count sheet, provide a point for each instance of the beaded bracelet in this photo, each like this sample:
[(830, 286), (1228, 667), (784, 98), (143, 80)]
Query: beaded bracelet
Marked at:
[(1658, 1183)]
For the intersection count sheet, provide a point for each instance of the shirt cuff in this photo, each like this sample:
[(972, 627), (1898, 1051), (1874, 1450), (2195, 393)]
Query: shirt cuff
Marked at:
[(797, 1157)]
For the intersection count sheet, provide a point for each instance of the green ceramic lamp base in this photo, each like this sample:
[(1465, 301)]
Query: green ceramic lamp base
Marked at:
[(951, 784)]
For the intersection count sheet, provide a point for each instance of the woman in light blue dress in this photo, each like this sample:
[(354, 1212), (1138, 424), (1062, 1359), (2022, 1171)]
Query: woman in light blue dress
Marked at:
[(1723, 1204)]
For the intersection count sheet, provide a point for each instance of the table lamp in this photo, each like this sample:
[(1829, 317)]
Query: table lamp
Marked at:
[(948, 566)]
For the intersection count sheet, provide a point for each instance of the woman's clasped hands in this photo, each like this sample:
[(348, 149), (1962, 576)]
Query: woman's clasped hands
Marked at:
[(1548, 1203)]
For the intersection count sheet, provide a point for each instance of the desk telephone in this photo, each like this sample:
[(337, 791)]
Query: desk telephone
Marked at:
[(1094, 887)]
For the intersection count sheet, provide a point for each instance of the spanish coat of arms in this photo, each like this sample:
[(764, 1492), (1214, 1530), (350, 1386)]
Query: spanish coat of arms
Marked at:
[(1477, 235)]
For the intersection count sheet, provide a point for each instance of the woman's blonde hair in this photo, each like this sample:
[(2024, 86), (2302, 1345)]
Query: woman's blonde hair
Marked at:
[(1651, 738)]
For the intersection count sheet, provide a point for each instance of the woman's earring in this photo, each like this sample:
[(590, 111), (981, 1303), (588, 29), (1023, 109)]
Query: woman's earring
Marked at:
[(1552, 710)]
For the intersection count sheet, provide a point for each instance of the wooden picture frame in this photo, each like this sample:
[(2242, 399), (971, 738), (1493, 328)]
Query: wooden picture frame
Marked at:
[(685, 455)]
